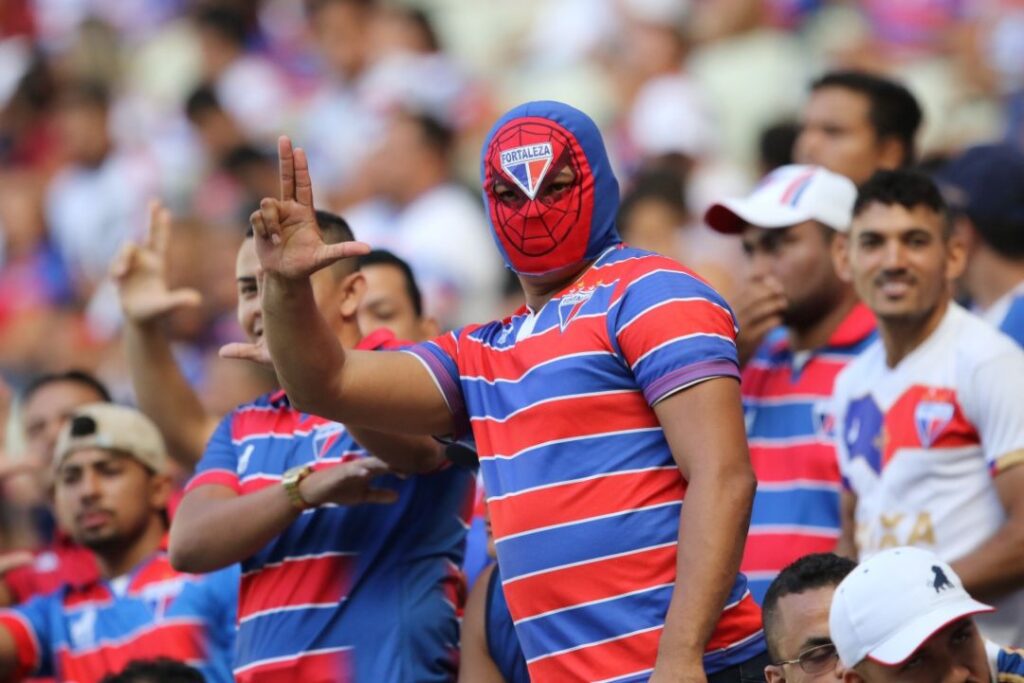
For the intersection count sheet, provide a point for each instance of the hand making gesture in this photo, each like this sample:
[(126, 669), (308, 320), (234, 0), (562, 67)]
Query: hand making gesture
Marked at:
[(140, 273), (288, 241)]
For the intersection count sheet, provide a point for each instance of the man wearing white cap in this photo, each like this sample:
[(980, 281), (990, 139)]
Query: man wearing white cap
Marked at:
[(904, 615), (809, 325)]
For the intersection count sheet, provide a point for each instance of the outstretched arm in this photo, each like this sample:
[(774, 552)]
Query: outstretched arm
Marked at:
[(161, 389), (382, 391)]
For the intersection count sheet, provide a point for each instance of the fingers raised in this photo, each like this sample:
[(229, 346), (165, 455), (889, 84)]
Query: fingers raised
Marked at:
[(286, 165), (303, 183)]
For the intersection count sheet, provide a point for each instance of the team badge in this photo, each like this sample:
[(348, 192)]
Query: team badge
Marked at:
[(325, 438), (570, 304), (824, 419), (527, 166), (930, 418)]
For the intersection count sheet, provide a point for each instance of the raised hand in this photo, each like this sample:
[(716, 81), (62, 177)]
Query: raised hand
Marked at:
[(140, 273), (288, 241), (256, 351), (347, 484)]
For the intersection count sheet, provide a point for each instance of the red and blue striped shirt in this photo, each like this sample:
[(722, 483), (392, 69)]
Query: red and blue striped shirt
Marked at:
[(583, 490), (83, 631), (346, 593), (786, 401)]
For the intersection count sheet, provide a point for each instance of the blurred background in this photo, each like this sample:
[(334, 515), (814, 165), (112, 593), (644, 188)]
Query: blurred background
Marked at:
[(105, 104)]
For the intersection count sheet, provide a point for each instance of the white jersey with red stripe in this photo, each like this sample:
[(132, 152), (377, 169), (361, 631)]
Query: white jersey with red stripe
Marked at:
[(920, 444)]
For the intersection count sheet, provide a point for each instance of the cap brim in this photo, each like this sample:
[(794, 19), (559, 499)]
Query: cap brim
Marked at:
[(733, 215), (901, 645)]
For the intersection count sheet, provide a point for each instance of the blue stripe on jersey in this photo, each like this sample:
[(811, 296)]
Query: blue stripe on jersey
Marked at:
[(1013, 322), (569, 544), (799, 506)]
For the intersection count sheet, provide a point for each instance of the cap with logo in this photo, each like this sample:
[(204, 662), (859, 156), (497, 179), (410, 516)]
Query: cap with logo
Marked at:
[(887, 607), (112, 427), (787, 196)]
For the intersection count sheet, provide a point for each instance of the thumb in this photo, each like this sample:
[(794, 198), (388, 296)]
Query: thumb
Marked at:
[(327, 254), (184, 298), (243, 351)]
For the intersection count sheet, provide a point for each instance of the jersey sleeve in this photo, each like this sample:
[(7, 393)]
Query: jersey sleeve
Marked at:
[(837, 407), (213, 599), (673, 330), (440, 356), (992, 403), (30, 629), (219, 464)]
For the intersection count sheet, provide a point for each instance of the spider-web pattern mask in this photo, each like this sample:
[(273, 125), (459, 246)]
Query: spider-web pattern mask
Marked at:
[(545, 232)]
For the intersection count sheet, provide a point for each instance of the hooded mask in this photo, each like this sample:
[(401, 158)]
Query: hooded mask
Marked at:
[(541, 226)]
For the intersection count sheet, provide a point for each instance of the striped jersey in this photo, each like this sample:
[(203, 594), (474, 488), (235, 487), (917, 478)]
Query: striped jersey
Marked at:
[(1007, 314), (83, 631), (582, 488), (346, 593), (1006, 664), (920, 443), (786, 400), (502, 643)]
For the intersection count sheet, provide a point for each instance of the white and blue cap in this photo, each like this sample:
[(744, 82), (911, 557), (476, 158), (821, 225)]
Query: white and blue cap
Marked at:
[(887, 607), (787, 196)]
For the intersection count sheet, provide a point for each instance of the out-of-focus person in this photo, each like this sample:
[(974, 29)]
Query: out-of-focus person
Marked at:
[(393, 299), (903, 616), (929, 423), (855, 123), (985, 187), (160, 670), (806, 325), (111, 492), (795, 609)]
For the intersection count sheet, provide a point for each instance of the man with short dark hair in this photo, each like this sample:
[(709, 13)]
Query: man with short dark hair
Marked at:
[(156, 671), (904, 617), (855, 123), (795, 613), (929, 421), (393, 299), (111, 493), (986, 184)]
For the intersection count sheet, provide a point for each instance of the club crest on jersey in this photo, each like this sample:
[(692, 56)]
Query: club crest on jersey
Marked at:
[(824, 419), (930, 418), (526, 166), (326, 436), (570, 304)]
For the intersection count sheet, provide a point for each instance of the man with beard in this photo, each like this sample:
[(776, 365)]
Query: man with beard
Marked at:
[(788, 227), (595, 409)]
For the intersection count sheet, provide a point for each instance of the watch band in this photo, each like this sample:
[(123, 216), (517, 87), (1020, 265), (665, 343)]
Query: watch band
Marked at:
[(291, 480)]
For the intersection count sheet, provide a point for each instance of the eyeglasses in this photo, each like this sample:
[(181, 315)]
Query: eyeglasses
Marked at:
[(816, 659)]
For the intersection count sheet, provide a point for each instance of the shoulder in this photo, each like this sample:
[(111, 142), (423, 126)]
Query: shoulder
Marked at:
[(977, 342), (861, 367)]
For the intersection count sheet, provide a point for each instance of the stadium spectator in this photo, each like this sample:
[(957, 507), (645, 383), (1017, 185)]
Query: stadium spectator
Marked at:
[(333, 586), (416, 202), (795, 609), (856, 123), (47, 403), (904, 616), (112, 492), (987, 187), (809, 325), (156, 671), (929, 425), (654, 584), (393, 299)]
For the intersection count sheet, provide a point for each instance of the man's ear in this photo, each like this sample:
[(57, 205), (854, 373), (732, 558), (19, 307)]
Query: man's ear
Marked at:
[(431, 328), (840, 252), (774, 674), (160, 490), (892, 152), (353, 287)]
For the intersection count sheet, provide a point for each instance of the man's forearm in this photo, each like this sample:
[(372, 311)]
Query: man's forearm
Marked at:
[(164, 394), (307, 356), (996, 568), (712, 530)]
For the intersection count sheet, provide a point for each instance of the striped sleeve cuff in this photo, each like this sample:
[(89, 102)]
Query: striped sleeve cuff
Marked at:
[(216, 478), (683, 378)]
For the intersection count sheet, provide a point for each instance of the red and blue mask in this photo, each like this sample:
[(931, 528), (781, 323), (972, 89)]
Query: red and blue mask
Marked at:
[(542, 225)]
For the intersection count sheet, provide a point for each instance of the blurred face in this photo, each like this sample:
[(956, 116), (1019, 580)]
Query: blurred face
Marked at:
[(341, 30), (836, 133), (83, 133), (799, 258), (800, 631), (107, 499), (46, 411), (387, 304), (900, 263), (956, 654), (654, 225), (250, 314)]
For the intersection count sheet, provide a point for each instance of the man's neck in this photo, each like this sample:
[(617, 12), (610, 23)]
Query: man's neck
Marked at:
[(539, 290), (992, 277), (818, 334), (901, 337), (118, 562)]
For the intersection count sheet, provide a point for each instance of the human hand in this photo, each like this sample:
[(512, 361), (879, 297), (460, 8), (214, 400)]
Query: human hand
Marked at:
[(759, 307), (347, 484), (14, 559), (288, 240), (256, 351), (140, 273)]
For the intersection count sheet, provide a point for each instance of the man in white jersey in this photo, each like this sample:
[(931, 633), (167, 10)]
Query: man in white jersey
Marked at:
[(930, 421)]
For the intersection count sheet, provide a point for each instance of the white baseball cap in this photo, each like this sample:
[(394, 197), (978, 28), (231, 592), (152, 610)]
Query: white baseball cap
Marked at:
[(787, 196), (887, 607)]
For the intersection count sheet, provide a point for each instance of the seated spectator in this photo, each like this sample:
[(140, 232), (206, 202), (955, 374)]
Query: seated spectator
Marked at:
[(795, 614), (112, 492), (904, 616), (156, 671)]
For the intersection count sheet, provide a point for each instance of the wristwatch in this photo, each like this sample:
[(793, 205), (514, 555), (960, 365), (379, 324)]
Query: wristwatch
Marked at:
[(291, 480)]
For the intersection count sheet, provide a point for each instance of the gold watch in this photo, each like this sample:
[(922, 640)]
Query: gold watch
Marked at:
[(291, 480)]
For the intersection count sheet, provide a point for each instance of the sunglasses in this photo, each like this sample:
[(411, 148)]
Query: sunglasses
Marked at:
[(816, 659)]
